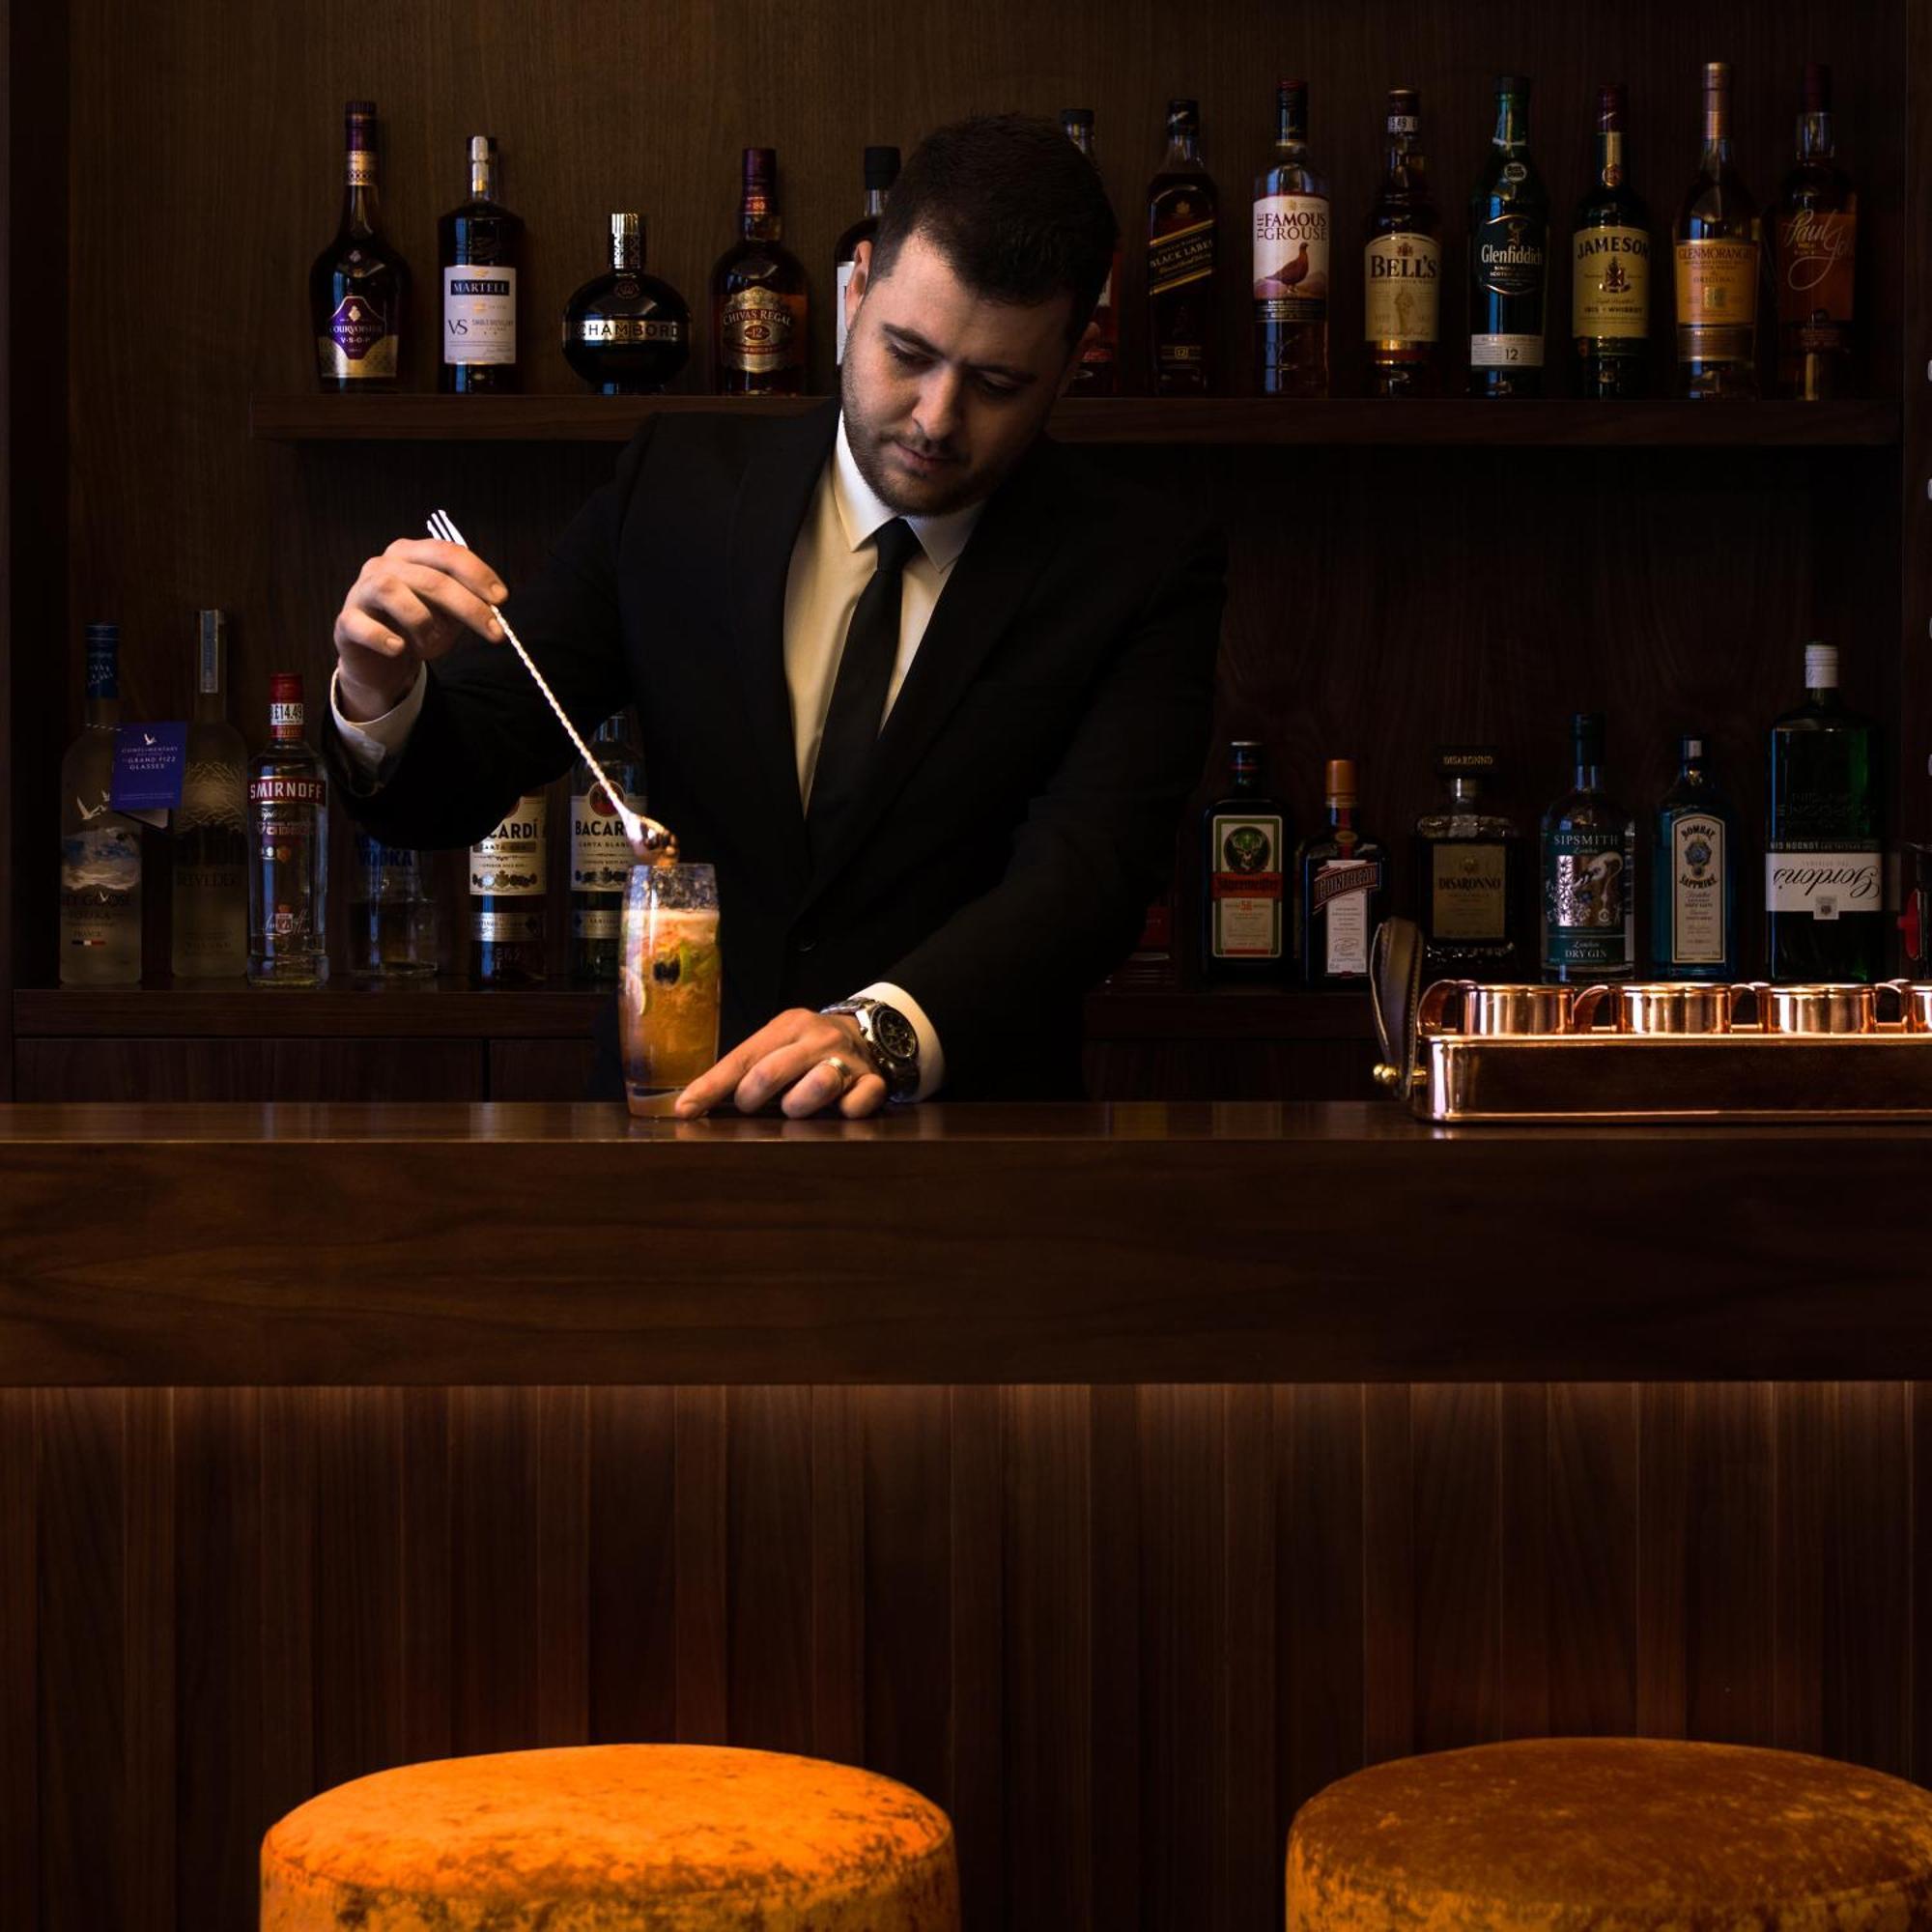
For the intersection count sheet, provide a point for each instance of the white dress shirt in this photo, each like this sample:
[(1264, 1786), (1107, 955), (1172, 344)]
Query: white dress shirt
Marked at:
[(832, 563)]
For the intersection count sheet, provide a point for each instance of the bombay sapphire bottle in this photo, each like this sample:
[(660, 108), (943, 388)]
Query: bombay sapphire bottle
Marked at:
[(1693, 880)]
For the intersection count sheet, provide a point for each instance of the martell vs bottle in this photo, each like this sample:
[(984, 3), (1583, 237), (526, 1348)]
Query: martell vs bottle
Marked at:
[(479, 241)]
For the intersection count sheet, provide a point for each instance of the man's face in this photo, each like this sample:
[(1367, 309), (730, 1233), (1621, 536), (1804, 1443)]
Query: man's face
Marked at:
[(943, 390)]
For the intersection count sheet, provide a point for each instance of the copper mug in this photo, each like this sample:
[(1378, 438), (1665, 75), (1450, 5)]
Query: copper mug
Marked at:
[(1665, 1006), (1915, 998), (1830, 1008), (1492, 1012)]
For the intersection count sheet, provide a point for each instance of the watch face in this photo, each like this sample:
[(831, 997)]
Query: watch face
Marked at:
[(897, 1035)]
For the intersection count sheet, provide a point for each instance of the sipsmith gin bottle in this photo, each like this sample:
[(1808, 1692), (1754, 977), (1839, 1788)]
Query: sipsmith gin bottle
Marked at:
[(1589, 872)]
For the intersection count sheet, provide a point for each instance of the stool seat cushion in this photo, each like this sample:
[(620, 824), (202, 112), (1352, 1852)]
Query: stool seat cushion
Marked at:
[(677, 1837), (1612, 1834)]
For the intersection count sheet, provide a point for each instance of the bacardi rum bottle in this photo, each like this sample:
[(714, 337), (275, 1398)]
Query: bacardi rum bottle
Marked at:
[(288, 861), (100, 849), (509, 884), (600, 855), (210, 830)]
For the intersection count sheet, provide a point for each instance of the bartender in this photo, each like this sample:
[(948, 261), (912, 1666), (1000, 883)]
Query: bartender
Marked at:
[(927, 690)]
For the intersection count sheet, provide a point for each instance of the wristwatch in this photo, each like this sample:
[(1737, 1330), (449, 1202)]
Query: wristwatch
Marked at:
[(893, 1040)]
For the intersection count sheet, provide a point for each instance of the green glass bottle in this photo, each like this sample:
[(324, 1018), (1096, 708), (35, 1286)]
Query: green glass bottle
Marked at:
[(1509, 256), (1589, 872)]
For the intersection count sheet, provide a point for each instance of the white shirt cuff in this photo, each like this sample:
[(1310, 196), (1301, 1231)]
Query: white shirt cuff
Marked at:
[(931, 1058), (376, 741)]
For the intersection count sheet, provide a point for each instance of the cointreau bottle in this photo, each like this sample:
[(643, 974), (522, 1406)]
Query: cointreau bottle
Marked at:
[(1244, 932), (1342, 878), (1817, 248), (1182, 321), (758, 296)]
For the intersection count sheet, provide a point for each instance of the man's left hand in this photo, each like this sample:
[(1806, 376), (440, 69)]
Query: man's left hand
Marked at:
[(788, 1056)]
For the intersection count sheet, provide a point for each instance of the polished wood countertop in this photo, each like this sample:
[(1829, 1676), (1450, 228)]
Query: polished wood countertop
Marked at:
[(454, 1244)]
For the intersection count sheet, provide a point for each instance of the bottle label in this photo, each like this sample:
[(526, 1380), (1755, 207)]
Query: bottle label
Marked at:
[(505, 928), (1610, 284), (600, 854), (838, 310), (1587, 913), (624, 328), (360, 346), (100, 861), (762, 331), (1180, 256), (1815, 258), (1716, 298), (1825, 884), (597, 924), (280, 792), (1292, 257), (509, 863), (1506, 352), (1468, 899), (1698, 860), (479, 315), (1401, 291), (1339, 895), (1510, 259), (214, 793), (1245, 887)]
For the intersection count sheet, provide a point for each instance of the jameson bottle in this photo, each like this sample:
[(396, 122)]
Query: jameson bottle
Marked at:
[(1589, 872), (1244, 843), (359, 288), (1715, 239), (600, 855), (1693, 932), (758, 295), (1610, 269), (1824, 900), (479, 243), (509, 886), (1402, 263), (1817, 248), (1181, 318), (1100, 370), (881, 171), (1340, 877), (1509, 256), (210, 828), (100, 849), (625, 333), (1290, 259), (1467, 866), (288, 860)]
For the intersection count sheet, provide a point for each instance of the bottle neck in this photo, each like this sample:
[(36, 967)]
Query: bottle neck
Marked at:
[(875, 198), (1464, 790), (1825, 696), (759, 220), (1290, 134), (627, 252), (1589, 772), (1816, 141), (1246, 781), (1610, 157), (1183, 150), (1402, 162), (359, 207), (102, 714), (1340, 815), (1512, 124), (211, 707), (1717, 132), (482, 181)]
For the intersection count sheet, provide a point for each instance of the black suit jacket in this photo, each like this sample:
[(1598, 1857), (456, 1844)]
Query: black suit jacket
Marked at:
[(1022, 807)]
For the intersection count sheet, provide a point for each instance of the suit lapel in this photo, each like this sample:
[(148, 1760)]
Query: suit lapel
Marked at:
[(1012, 540), (773, 498)]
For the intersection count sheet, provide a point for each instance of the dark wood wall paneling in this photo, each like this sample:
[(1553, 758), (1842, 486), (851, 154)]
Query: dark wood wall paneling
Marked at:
[(1121, 1633), (1381, 599)]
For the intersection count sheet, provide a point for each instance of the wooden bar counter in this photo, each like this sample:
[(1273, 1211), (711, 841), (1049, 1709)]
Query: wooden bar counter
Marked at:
[(1116, 1475)]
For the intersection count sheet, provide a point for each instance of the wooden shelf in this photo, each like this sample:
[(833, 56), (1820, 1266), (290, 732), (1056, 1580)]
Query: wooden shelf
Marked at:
[(445, 1010), (1230, 420)]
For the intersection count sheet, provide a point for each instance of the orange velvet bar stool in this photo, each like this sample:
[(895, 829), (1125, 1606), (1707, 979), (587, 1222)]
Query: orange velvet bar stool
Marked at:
[(608, 1837), (1612, 1834)]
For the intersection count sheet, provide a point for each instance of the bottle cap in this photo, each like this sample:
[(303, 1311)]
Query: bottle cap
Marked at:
[(761, 166), (1515, 85), (1612, 99), (1817, 90), (628, 226), (882, 165), (1820, 666), (1586, 733), (482, 148), (285, 687), (1075, 117), (1690, 745), (359, 117), (1716, 77), (1341, 780), (1184, 117)]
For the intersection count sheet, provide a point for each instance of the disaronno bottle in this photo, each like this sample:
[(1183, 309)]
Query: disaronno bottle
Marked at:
[(1610, 269), (1402, 264), (1717, 240), (1244, 837), (509, 883), (1466, 864)]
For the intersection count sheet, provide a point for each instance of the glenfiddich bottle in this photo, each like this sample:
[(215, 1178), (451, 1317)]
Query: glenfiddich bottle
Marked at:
[(1244, 841), (1290, 259), (1715, 237), (1468, 861), (1610, 269), (1341, 878), (625, 333), (1817, 248), (1693, 871), (479, 243), (1402, 263), (1181, 317), (758, 296), (288, 862), (1824, 900), (358, 289), (1100, 370), (1589, 872), (1509, 256), (600, 855), (882, 170), (509, 885), (211, 828)]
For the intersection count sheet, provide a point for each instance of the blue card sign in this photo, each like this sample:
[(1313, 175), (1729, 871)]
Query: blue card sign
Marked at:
[(150, 762)]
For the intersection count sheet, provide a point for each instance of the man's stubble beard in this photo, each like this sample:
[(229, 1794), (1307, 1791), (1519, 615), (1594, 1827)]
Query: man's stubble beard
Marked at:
[(890, 489)]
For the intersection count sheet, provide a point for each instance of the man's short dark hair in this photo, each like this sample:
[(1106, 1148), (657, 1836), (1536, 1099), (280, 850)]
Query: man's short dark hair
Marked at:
[(1015, 207)]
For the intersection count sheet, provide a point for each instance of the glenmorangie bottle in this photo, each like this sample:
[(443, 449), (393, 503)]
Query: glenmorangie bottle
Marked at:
[(1402, 263), (1716, 239), (1509, 256), (1244, 932), (1610, 269), (359, 288), (509, 886), (1817, 251), (1182, 321), (1589, 872), (1290, 259)]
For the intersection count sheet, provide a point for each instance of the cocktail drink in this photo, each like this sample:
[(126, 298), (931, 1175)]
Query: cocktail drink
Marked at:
[(669, 982)]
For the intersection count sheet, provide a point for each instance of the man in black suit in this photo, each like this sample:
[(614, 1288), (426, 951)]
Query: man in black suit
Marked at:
[(927, 692)]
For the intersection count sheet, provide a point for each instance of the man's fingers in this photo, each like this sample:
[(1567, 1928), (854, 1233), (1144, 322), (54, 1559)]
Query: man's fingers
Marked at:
[(866, 1098), (442, 592), (453, 561), (361, 627)]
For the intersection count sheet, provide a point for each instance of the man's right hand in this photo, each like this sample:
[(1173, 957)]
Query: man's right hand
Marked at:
[(410, 603)]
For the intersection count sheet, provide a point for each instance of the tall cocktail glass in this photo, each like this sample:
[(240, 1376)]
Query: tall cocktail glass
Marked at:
[(669, 981)]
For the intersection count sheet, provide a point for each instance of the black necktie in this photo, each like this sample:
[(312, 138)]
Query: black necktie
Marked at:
[(859, 697)]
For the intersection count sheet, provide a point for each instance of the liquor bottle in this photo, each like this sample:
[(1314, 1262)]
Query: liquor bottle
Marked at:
[(1509, 256), (358, 289), (1817, 248), (625, 333), (288, 861), (1694, 930), (1402, 263), (509, 883), (1824, 900), (392, 921), (100, 849), (210, 828), (600, 855), (1290, 259), (1244, 842), (1340, 877), (1610, 269), (1100, 370), (1469, 867), (1589, 872), (1717, 246), (479, 243), (1182, 321), (758, 296), (882, 170)]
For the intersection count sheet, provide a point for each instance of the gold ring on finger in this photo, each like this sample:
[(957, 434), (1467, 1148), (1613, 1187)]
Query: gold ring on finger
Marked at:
[(848, 1079)]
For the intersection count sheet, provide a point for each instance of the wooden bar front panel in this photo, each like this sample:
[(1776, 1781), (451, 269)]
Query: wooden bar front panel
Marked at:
[(1120, 1633)]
